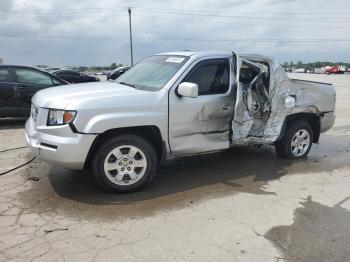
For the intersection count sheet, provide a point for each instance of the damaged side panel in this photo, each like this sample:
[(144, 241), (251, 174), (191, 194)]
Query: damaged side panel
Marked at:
[(257, 99), (253, 103), (261, 107)]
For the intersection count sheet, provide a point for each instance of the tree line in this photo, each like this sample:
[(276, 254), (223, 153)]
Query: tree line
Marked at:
[(90, 68), (99, 68)]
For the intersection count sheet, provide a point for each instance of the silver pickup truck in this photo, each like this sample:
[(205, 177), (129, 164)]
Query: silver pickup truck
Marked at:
[(173, 105)]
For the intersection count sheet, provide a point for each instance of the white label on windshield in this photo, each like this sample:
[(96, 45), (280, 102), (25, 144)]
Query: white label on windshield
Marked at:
[(175, 60)]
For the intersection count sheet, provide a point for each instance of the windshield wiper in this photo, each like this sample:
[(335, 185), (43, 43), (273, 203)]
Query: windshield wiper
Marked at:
[(127, 84)]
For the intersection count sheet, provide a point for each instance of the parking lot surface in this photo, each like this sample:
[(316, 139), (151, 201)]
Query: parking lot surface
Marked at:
[(240, 205)]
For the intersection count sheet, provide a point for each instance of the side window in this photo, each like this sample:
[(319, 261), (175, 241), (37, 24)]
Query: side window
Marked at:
[(56, 82), (72, 73), (5, 75), (65, 73), (33, 77), (211, 76), (119, 72)]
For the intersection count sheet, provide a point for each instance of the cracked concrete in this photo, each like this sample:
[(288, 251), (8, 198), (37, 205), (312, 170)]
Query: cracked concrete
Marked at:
[(319, 233), (249, 206)]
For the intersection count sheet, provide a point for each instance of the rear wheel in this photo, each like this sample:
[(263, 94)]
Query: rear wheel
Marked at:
[(297, 141), (124, 163)]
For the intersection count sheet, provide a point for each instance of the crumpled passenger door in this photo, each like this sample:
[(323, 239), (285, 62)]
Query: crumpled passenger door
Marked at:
[(252, 109)]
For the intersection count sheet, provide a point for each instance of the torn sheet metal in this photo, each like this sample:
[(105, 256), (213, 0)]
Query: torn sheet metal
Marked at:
[(260, 111), (253, 105)]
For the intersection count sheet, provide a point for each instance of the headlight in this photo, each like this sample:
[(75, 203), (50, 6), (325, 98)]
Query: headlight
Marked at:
[(60, 117)]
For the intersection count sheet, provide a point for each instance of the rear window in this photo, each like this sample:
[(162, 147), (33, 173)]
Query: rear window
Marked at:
[(5, 75), (247, 73), (72, 73)]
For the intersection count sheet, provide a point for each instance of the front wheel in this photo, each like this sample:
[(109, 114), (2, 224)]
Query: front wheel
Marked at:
[(296, 142), (124, 163)]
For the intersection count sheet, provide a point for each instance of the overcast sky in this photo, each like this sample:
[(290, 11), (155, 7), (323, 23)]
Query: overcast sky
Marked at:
[(90, 32)]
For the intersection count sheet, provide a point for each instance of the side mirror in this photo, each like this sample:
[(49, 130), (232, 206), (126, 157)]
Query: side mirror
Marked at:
[(188, 89)]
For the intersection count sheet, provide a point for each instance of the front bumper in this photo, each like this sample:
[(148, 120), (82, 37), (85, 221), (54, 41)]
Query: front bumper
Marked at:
[(59, 145)]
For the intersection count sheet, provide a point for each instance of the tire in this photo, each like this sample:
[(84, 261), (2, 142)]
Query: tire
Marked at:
[(125, 163), (296, 142)]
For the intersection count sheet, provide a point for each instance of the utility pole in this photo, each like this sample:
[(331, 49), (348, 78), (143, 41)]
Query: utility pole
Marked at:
[(131, 54)]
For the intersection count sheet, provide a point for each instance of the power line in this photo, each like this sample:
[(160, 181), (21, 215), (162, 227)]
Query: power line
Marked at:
[(244, 23), (313, 19), (343, 11), (262, 15), (60, 10), (261, 12), (158, 15), (174, 38)]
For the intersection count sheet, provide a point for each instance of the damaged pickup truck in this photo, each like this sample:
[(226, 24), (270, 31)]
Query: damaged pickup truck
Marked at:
[(173, 105)]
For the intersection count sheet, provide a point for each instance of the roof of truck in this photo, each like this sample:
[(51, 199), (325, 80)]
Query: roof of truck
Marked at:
[(197, 53), (218, 53), (256, 57), (19, 66)]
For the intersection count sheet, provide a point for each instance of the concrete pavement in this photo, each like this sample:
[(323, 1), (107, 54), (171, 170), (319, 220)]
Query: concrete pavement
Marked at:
[(240, 205)]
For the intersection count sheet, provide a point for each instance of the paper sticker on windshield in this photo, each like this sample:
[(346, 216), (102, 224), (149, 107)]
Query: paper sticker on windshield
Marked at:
[(175, 60)]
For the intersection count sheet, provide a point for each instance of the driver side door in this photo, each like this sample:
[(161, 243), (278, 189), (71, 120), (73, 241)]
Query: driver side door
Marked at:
[(202, 124)]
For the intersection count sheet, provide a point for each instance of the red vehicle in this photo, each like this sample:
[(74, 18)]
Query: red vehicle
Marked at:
[(334, 70)]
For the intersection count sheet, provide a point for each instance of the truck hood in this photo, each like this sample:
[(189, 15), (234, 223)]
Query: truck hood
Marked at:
[(76, 95)]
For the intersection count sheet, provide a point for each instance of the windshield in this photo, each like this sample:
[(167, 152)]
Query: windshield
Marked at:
[(153, 72), (117, 69)]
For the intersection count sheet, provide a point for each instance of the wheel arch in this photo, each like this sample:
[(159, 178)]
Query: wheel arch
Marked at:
[(150, 133), (312, 118)]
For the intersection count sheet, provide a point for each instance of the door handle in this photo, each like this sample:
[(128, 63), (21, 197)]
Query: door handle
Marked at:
[(22, 87), (226, 107), (20, 90)]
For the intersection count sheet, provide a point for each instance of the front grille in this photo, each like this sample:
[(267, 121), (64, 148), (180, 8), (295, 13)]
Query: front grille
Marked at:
[(34, 112)]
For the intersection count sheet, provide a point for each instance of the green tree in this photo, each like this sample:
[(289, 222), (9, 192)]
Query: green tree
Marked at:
[(113, 66), (83, 68)]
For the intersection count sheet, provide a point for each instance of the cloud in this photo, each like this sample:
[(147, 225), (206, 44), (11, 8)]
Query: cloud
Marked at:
[(230, 21)]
